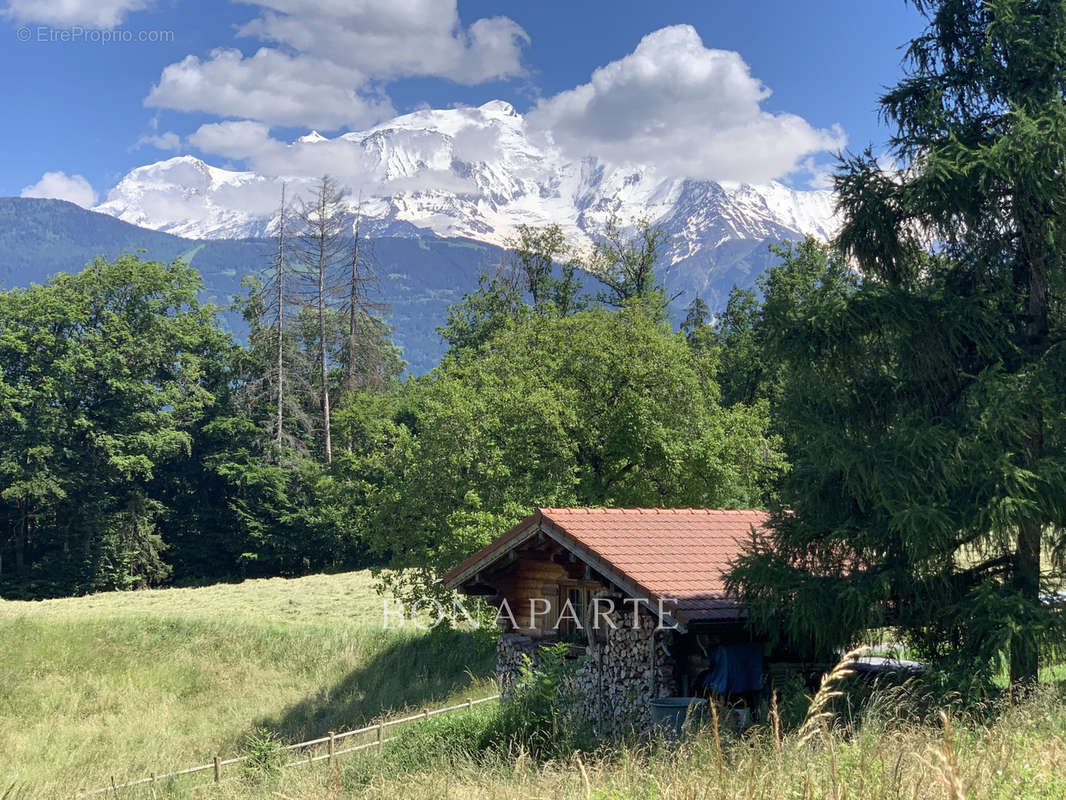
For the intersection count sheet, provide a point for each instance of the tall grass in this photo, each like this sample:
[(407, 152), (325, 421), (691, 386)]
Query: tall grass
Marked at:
[(124, 685), (136, 686), (1020, 755)]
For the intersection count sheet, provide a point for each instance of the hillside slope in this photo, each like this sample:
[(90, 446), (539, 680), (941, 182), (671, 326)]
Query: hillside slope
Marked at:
[(419, 277), (127, 684)]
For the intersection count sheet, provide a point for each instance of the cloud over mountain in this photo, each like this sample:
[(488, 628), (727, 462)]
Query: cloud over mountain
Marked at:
[(689, 110), (60, 186), (324, 63)]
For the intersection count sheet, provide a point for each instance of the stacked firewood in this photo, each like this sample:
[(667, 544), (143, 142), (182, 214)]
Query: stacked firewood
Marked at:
[(512, 650), (623, 672)]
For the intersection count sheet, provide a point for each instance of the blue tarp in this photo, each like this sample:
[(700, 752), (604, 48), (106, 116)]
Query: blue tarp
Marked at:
[(735, 668)]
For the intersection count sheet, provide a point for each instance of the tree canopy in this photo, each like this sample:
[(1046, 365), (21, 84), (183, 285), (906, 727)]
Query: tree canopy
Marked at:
[(596, 408), (925, 409)]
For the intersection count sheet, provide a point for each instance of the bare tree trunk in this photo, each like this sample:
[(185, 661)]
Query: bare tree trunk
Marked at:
[(322, 221), (279, 277), (327, 438), (354, 307)]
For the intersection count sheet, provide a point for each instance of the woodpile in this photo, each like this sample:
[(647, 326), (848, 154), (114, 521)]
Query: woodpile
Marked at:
[(624, 671), (511, 651), (621, 673)]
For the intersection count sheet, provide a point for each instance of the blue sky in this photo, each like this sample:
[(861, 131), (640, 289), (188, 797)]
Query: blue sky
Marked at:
[(90, 108)]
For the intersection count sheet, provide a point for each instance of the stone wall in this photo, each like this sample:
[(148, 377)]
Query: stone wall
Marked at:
[(618, 677)]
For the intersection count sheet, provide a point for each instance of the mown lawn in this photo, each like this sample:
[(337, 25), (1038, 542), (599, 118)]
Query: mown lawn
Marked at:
[(122, 685)]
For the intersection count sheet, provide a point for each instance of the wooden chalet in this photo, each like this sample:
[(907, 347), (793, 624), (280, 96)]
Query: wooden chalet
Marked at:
[(640, 593)]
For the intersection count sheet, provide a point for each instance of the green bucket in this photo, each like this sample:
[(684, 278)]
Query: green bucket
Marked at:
[(668, 714)]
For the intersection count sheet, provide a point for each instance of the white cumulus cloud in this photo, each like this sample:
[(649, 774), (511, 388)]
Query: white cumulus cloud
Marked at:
[(60, 186), (323, 63), (96, 13), (269, 86), (395, 38), (162, 141), (251, 141), (689, 110)]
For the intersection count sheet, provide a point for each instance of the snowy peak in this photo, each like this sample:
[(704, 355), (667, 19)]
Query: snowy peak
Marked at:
[(468, 171), (188, 197)]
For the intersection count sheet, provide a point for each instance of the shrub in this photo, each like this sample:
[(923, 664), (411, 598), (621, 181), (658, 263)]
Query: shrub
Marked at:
[(542, 715), (264, 755)]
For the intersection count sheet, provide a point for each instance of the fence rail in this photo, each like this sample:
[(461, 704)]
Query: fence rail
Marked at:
[(329, 740)]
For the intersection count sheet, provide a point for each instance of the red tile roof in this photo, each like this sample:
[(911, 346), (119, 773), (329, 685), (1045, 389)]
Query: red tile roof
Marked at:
[(678, 555)]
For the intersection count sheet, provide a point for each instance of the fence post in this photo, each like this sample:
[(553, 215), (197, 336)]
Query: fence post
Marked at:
[(425, 713), (218, 769), (469, 703), (381, 735), (332, 749)]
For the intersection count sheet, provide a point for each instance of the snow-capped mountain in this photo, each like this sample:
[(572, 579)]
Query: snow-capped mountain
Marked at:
[(475, 173)]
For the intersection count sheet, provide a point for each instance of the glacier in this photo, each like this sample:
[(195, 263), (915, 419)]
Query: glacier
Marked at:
[(478, 173)]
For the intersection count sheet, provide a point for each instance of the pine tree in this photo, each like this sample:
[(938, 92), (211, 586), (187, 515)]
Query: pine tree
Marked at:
[(697, 315), (929, 472), (364, 341), (279, 275), (274, 386)]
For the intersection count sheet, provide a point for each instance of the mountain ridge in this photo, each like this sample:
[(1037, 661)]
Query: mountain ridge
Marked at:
[(466, 172), (418, 277)]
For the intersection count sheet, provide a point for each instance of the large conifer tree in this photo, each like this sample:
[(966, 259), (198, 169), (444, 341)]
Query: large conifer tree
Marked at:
[(929, 488)]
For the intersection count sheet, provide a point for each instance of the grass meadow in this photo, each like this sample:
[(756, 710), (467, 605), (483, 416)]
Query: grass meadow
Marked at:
[(123, 685)]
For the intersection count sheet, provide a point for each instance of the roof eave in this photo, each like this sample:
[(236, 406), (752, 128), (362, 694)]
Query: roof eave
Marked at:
[(492, 552)]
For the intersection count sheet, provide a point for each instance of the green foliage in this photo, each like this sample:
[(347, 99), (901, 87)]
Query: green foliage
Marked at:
[(139, 444), (747, 331), (541, 269), (541, 716), (104, 376), (925, 430), (596, 408), (625, 264), (696, 324), (537, 720), (536, 253), (131, 441), (483, 314), (264, 755)]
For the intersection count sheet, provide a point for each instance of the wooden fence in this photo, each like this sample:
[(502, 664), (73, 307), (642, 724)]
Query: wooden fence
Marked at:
[(330, 741)]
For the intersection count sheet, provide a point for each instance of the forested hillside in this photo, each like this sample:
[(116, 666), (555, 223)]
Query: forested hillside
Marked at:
[(418, 277), (142, 444)]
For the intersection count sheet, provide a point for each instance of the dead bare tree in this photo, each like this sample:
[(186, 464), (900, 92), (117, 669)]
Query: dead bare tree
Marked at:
[(278, 379), (320, 255), (364, 341), (280, 273)]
